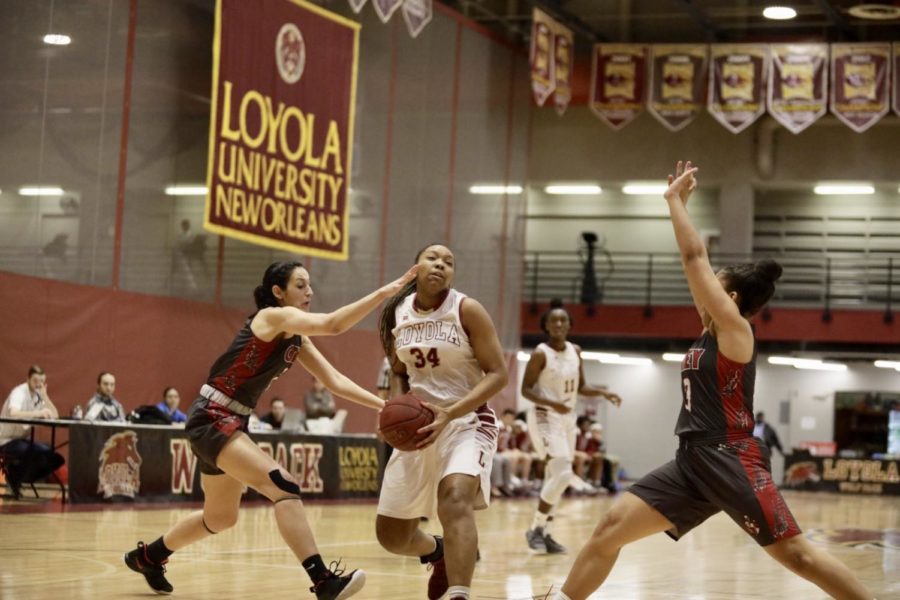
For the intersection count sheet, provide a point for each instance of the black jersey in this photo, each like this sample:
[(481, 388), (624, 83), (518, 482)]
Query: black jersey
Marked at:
[(717, 393), (250, 365)]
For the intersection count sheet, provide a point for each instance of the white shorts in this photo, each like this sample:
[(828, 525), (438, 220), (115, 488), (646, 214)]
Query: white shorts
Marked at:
[(552, 434), (466, 446)]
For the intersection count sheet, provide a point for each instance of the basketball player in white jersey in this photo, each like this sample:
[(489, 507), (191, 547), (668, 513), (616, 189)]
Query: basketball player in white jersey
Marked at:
[(443, 347), (553, 379)]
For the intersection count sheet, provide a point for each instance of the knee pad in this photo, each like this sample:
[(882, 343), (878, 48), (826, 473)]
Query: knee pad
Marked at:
[(558, 475), (284, 485)]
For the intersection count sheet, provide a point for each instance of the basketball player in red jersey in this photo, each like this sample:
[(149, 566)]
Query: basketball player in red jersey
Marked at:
[(444, 348), (719, 464), (271, 340)]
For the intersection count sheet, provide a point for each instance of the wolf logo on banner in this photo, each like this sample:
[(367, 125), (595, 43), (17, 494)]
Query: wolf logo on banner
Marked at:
[(563, 68), (543, 62), (798, 84), (737, 79), (120, 466), (417, 14), (860, 90), (280, 153), (677, 83), (618, 82)]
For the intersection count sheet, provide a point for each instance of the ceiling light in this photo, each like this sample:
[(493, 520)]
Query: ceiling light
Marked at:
[(888, 364), (614, 359), (811, 364), (673, 357), (51, 190), (186, 190), (644, 189), (844, 189), (573, 189), (57, 39), (495, 189), (779, 13)]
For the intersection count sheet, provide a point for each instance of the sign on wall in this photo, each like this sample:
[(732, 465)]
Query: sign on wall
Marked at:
[(860, 88), (798, 84), (542, 56), (281, 125), (618, 82), (677, 83), (737, 84)]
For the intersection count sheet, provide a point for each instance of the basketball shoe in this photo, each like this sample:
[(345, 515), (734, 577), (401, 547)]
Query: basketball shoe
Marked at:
[(536, 540), (553, 547), (154, 573), (337, 586), (438, 584)]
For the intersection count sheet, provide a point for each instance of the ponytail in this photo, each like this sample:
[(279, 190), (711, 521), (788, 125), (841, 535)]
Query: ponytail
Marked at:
[(278, 273)]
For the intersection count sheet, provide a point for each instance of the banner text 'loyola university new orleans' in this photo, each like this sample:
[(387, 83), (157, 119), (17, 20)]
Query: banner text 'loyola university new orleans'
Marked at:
[(284, 82)]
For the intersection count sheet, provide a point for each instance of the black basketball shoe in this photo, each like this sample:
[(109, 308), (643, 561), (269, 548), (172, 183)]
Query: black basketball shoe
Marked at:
[(337, 586), (137, 561)]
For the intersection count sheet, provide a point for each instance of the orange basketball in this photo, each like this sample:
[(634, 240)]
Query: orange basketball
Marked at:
[(400, 418)]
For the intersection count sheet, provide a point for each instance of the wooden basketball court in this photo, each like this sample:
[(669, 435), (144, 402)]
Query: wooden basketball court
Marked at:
[(48, 554)]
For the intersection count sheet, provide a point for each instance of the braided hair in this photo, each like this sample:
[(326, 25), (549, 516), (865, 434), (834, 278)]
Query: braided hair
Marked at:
[(278, 273), (753, 282), (388, 318)]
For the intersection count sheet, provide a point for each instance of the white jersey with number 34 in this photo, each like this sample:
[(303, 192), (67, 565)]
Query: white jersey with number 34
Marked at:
[(435, 348)]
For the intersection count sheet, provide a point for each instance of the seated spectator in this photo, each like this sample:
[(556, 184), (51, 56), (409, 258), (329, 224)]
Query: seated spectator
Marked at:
[(582, 460), (319, 402), (103, 406), (604, 466), (27, 462), (169, 405), (528, 459), (275, 417)]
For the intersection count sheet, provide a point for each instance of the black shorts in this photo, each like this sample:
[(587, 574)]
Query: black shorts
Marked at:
[(702, 480), (209, 427)]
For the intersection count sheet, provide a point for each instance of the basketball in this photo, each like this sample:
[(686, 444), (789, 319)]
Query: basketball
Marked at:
[(400, 418)]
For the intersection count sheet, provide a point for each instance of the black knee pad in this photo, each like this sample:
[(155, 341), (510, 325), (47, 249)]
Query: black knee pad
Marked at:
[(283, 484)]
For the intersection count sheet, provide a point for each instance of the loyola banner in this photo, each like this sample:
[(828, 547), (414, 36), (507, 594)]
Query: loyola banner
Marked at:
[(737, 84), (677, 83), (281, 125), (541, 56), (798, 84), (618, 82), (860, 89), (564, 57)]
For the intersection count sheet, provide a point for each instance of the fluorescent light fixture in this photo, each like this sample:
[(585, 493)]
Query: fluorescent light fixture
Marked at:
[(809, 364), (48, 190), (523, 356), (574, 189), (495, 189), (614, 359), (779, 13), (844, 189), (57, 39), (888, 364), (186, 190), (673, 357), (645, 188)]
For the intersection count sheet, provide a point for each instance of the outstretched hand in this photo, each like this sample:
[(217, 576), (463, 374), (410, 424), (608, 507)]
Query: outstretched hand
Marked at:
[(683, 183), (397, 285)]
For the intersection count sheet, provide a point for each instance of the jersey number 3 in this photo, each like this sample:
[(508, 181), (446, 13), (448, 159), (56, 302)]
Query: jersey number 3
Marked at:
[(687, 393), (421, 358)]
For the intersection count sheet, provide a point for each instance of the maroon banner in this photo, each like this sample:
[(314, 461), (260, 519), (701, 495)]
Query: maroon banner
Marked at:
[(357, 5), (677, 83), (543, 76), (860, 83), (417, 14), (386, 8), (798, 84), (563, 61), (737, 84), (281, 125), (618, 82), (897, 77)]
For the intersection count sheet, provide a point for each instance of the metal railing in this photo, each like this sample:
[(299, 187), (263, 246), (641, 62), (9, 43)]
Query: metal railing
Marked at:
[(648, 279)]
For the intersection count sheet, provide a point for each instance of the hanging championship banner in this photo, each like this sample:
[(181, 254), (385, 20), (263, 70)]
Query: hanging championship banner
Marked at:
[(543, 77), (677, 83), (860, 83), (897, 78), (798, 84), (417, 14), (737, 84), (618, 85), (563, 59), (357, 5), (281, 125), (386, 8)]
